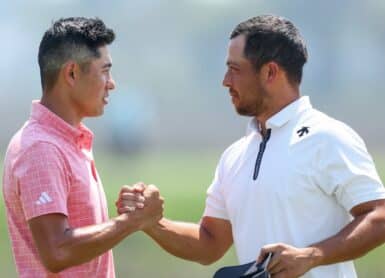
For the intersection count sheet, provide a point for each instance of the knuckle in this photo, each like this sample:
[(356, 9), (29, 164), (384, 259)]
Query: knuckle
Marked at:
[(280, 245), (126, 187), (153, 188), (140, 184)]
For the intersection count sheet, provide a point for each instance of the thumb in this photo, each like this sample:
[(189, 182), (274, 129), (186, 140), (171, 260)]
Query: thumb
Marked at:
[(139, 187), (265, 250)]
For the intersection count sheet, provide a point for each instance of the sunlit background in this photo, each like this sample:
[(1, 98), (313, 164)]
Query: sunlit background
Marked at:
[(169, 117)]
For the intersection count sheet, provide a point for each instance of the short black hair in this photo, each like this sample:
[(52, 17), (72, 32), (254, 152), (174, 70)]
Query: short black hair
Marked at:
[(72, 38), (273, 38)]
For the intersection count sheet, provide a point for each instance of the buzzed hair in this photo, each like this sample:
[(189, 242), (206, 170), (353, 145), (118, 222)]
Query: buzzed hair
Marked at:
[(273, 38), (73, 38)]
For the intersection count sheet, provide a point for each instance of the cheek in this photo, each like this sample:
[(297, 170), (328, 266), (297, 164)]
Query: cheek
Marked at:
[(244, 85), (97, 85)]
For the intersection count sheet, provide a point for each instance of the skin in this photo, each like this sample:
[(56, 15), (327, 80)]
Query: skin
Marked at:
[(255, 94), (204, 243), (261, 94), (61, 246), (78, 94)]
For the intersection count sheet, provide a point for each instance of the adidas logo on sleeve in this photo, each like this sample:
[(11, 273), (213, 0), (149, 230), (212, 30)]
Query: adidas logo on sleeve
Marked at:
[(43, 199)]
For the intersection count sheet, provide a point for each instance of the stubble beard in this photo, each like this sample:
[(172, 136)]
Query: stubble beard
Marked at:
[(251, 111), (254, 109)]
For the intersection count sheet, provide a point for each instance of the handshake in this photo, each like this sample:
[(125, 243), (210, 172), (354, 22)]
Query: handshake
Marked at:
[(142, 203)]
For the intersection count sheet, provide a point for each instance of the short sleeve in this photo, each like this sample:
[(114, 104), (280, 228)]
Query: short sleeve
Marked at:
[(346, 169), (215, 202), (42, 180)]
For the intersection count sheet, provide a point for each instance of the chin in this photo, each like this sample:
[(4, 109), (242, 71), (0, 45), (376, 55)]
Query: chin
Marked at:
[(243, 112), (96, 113)]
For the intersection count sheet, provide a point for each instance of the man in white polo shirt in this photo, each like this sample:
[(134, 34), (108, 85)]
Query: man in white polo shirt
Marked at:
[(299, 184)]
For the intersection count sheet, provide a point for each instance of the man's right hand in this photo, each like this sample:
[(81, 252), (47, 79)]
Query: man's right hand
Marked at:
[(143, 202)]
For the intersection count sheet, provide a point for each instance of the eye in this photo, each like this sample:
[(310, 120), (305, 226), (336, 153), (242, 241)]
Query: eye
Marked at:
[(107, 72), (233, 70)]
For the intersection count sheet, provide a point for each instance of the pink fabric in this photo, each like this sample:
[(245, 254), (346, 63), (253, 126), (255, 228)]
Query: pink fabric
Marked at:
[(49, 168)]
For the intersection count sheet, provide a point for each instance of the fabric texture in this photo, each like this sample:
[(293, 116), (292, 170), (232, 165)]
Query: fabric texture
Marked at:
[(313, 171), (49, 168)]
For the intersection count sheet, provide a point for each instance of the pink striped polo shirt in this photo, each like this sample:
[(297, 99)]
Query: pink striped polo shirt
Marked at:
[(49, 168)]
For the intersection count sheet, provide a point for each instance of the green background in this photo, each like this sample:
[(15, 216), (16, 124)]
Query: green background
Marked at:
[(183, 179)]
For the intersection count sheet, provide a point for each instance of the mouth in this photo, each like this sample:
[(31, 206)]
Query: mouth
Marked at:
[(232, 92), (233, 95), (105, 99)]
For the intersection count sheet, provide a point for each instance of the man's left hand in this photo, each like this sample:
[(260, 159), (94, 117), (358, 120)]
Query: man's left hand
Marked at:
[(288, 261)]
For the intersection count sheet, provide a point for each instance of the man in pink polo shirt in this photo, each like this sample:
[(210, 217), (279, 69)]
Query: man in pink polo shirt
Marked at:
[(56, 206)]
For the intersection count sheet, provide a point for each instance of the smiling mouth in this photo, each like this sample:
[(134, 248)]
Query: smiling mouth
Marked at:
[(233, 94), (105, 100)]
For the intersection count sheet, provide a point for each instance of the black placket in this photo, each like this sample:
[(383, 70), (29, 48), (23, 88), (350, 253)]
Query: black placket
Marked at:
[(262, 147)]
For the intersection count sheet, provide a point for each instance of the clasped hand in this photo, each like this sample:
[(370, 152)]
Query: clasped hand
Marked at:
[(143, 202)]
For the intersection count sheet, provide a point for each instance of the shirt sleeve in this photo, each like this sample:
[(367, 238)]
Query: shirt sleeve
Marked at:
[(347, 171), (215, 202), (42, 181)]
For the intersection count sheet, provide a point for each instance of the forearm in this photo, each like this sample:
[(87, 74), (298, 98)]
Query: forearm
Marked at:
[(364, 233), (80, 245), (185, 240)]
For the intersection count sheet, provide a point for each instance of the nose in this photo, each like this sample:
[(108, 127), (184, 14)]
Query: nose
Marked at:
[(111, 83), (227, 80)]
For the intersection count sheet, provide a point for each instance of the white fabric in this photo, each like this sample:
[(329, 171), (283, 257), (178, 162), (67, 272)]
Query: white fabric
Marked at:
[(305, 188)]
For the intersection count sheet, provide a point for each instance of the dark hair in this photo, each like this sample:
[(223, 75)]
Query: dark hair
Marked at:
[(73, 38), (273, 38)]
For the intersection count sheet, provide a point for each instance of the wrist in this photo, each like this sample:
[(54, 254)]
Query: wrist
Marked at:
[(315, 256), (128, 222), (151, 230)]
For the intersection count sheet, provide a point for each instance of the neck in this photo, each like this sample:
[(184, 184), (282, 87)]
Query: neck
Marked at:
[(60, 106), (276, 105)]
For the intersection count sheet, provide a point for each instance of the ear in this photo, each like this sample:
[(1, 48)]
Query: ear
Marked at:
[(269, 72), (70, 72)]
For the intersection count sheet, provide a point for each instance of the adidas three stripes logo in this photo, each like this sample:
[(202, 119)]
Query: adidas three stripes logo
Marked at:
[(43, 199)]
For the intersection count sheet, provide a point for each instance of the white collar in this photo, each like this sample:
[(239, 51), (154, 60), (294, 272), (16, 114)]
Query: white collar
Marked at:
[(283, 116)]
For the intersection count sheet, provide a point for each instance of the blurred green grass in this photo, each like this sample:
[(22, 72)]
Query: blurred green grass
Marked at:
[(183, 179)]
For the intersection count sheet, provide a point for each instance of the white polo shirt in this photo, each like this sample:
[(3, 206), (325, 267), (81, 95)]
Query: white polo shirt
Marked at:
[(312, 172)]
